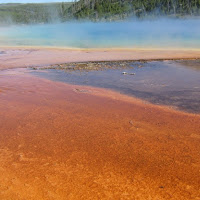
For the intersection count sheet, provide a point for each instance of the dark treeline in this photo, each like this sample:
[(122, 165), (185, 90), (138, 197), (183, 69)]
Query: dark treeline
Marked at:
[(113, 9), (96, 10), (33, 13)]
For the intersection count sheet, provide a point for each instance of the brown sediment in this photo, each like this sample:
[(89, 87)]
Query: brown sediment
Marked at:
[(59, 141), (194, 64), (32, 56)]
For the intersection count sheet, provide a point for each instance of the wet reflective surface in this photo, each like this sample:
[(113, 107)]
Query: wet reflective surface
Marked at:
[(172, 83)]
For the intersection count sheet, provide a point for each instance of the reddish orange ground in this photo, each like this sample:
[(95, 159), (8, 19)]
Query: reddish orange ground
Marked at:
[(57, 143)]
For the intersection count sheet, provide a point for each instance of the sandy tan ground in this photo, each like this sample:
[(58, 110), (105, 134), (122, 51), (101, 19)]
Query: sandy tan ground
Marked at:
[(59, 142), (12, 57)]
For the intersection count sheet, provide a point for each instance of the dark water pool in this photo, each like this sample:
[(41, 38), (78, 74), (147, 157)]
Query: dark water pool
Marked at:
[(171, 83)]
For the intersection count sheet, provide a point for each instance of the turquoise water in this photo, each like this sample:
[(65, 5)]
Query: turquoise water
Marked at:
[(164, 33)]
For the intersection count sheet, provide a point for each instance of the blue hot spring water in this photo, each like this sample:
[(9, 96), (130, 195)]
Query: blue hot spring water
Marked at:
[(163, 33)]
